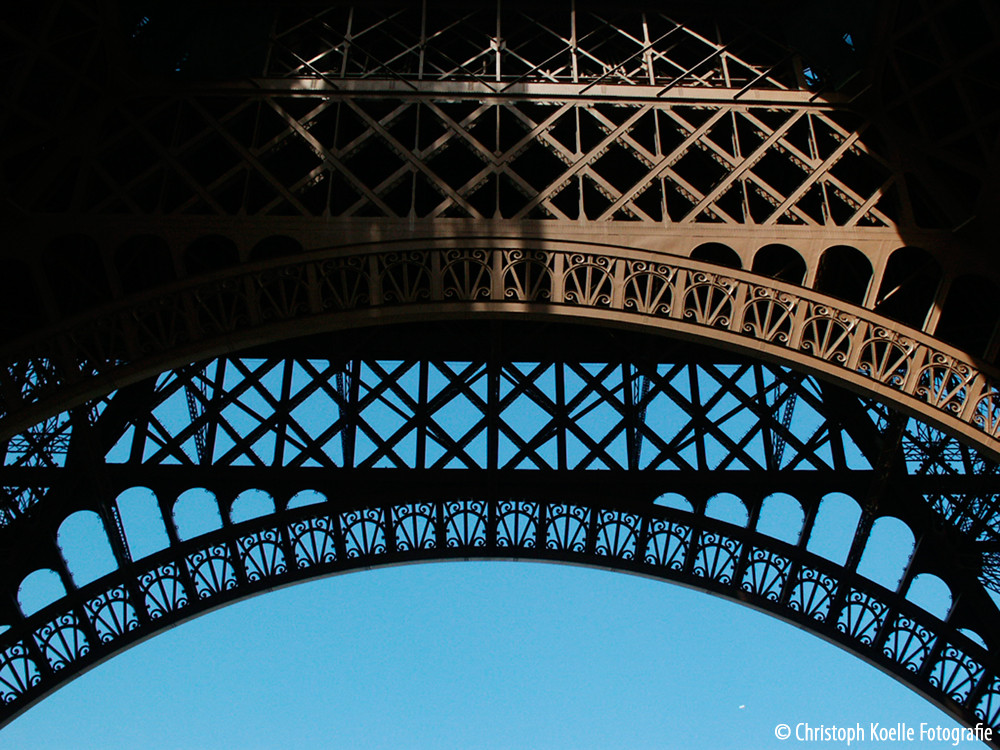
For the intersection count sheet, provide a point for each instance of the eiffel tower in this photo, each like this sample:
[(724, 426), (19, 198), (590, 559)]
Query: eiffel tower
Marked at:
[(295, 288)]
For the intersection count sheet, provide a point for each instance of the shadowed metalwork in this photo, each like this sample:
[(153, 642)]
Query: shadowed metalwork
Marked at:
[(366, 285)]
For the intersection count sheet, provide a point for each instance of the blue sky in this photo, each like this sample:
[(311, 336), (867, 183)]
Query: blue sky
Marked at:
[(470, 655)]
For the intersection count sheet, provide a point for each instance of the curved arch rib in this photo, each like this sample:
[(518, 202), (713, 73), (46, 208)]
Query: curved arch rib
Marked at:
[(364, 286), (97, 621)]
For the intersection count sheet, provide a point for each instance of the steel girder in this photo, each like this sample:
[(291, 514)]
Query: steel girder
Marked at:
[(488, 281), (451, 445)]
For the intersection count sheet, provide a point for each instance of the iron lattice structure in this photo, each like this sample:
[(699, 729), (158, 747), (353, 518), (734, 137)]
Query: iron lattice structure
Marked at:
[(500, 281)]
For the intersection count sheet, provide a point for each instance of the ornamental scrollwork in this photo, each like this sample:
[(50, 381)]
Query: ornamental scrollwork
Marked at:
[(708, 300), (364, 532), (125, 606), (466, 275), (112, 614), (465, 523), (649, 288), (517, 524), (987, 413), (99, 344), (282, 293), (767, 315), (261, 554), (716, 557), (212, 571), (944, 383), (908, 643), (345, 283), (313, 541), (988, 708), (812, 593), (62, 641), (955, 673), (18, 672), (827, 334), (414, 525), (862, 616), (765, 574), (405, 277), (527, 275), (566, 527), (587, 280), (886, 358), (164, 590), (617, 534), (668, 545)]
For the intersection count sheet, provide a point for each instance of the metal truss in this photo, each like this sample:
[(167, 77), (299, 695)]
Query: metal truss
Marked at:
[(638, 118), (492, 281), (940, 52), (508, 455), (345, 288)]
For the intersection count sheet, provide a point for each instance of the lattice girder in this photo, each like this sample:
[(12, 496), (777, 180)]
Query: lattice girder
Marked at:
[(345, 289), (692, 425), (99, 619), (491, 279)]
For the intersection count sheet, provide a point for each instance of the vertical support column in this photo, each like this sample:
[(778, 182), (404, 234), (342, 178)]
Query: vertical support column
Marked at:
[(572, 41), (348, 392), (286, 394), (348, 36), (422, 415), (423, 39), (562, 420), (493, 402), (498, 42)]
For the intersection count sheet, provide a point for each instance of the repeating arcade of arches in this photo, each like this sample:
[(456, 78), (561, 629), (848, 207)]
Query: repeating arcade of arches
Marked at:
[(906, 291), (194, 550)]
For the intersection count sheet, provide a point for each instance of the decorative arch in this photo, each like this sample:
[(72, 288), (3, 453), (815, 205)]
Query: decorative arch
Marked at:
[(780, 262), (908, 287), (354, 288), (102, 618), (717, 253), (969, 316), (845, 273)]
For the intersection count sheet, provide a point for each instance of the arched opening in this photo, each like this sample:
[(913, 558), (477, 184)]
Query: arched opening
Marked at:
[(727, 507), (196, 512), (844, 272), (306, 498), (276, 246), (970, 314), (930, 593), (675, 501), (85, 547), (887, 552), (39, 589), (250, 504), (142, 521), (210, 253), (780, 262), (717, 253), (781, 516), (75, 271), (908, 286), (833, 531), (143, 262), (451, 651)]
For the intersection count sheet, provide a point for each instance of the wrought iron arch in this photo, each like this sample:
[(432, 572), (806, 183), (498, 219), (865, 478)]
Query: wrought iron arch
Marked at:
[(526, 453), (488, 298)]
